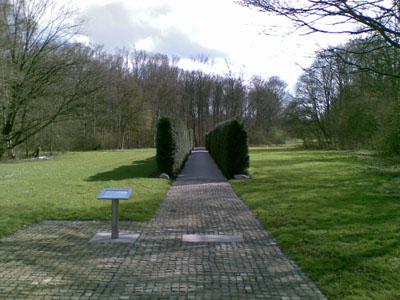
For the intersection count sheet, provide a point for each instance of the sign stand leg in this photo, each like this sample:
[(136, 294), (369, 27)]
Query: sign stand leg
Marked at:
[(115, 218)]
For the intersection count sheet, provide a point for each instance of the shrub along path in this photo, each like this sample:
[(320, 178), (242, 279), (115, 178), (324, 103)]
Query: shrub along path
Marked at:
[(53, 260)]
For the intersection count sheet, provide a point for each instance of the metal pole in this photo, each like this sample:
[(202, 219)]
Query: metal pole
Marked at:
[(115, 218)]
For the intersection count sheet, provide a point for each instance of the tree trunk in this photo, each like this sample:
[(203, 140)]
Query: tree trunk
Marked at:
[(2, 151)]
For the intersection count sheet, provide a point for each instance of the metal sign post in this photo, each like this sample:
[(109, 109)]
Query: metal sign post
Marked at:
[(115, 195), (115, 219)]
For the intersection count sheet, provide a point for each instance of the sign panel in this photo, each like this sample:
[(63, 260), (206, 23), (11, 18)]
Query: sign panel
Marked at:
[(120, 194)]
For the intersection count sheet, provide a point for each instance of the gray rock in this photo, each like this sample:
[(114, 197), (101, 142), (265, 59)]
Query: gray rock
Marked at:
[(164, 176), (241, 176)]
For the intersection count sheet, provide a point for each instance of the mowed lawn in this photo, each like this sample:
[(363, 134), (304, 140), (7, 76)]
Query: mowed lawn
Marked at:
[(66, 188), (336, 213)]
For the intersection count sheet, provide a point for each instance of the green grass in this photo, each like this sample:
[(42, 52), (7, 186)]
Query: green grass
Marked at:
[(66, 188), (337, 214)]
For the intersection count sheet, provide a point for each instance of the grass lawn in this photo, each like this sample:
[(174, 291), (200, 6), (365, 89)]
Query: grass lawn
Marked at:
[(336, 213), (66, 187)]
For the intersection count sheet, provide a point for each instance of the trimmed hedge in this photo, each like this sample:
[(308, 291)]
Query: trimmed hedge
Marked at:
[(227, 144), (174, 144)]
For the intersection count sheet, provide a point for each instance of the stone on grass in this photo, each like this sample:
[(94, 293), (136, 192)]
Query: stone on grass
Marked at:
[(164, 176), (241, 176)]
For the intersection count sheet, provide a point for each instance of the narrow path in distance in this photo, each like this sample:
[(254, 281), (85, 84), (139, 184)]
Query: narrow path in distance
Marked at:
[(199, 168)]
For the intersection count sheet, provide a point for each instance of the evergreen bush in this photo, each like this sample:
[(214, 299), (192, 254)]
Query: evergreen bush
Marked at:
[(174, 144), (227, 144)]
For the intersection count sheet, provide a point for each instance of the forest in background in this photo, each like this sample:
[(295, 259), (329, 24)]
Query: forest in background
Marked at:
[(59, 95)]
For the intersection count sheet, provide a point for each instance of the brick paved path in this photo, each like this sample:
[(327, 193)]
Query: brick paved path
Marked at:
[(53, 260)]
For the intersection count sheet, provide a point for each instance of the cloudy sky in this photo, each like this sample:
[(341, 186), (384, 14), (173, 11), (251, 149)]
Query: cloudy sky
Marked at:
[(252, 43)]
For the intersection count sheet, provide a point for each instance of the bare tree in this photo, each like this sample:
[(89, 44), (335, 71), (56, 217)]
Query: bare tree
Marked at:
[(266, 101), (339, 106), (381, 17), (315, 96), (42, 73), (371, 20)]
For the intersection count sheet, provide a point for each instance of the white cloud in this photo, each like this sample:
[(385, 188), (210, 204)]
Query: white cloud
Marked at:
[(117, 25), (112, 26), (220, 29)]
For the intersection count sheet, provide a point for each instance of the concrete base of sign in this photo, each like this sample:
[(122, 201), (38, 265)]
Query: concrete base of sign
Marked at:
[(124, 237), (212, 238)]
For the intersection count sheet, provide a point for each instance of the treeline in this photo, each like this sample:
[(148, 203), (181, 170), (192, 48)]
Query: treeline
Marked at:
[(59, 95), (349, 98), (134, 89)]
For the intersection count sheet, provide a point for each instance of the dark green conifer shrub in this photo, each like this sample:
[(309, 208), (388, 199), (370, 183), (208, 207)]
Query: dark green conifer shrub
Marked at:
[(227, 144), (174, 144)]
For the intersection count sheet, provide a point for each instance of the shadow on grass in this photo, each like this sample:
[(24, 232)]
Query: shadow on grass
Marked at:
[(139, 169)]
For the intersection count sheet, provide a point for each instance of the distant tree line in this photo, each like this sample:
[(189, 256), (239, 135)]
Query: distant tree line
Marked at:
[(133, 89), (59, 95), (349, 96), (338, 104)]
